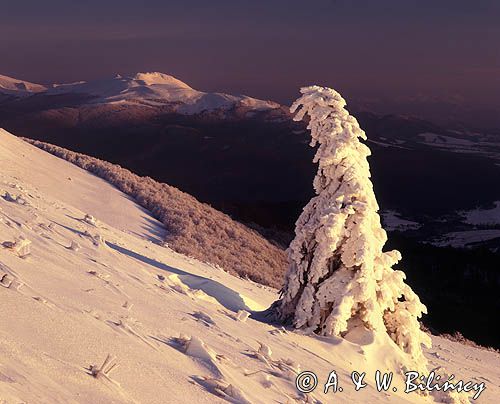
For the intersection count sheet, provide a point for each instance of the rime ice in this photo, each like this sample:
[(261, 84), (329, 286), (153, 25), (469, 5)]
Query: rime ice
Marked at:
[(339, 276)]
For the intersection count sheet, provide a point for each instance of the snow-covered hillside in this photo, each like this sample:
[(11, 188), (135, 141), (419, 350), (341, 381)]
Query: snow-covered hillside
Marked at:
[(484, 216), (153, 89), (97, 283), (18, 88)]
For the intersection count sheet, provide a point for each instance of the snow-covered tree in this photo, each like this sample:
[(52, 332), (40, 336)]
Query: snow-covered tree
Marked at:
[(339, 275)]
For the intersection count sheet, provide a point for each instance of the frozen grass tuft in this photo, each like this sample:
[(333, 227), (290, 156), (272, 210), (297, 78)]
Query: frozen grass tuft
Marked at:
[(105, 369)]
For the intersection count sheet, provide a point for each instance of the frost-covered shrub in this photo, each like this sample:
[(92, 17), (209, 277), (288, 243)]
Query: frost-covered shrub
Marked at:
[(339, 276), (193, 228)]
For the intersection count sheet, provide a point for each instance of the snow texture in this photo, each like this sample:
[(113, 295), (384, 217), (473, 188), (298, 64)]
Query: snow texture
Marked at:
[(339, 277), (393, 221)]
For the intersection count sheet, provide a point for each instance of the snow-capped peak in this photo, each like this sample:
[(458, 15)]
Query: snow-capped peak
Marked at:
[(153, 89), (157, 89), (11, 86), (153, 78)]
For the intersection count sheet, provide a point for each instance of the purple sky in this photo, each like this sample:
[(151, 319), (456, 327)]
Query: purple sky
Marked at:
[(394, 50)]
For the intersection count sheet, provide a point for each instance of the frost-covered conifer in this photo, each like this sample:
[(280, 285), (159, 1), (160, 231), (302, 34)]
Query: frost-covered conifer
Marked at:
[(339, 277)]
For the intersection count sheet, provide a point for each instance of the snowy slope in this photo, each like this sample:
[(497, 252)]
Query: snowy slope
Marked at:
[(393, 221), (18, 88), (484, 216), (121, 293), (156, 89)]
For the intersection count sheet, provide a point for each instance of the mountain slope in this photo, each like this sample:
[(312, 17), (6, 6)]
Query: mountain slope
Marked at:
[(191, 227), (89, 289), (52, 174), (254, 159), (19, 88)]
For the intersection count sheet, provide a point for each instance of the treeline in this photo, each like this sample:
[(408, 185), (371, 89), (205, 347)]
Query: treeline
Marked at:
[(193, 228)]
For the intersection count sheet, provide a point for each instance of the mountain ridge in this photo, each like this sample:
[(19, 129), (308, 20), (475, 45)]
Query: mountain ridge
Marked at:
[(151, 89), (19, 88)]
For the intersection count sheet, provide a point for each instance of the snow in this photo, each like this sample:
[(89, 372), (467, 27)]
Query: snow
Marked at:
[(483, 216), (339, 278), (97, 196), (19, 88), (168, 322), (161, 79), (466, 237), (159, 89), (476, 217), (393, 221), (443, 140), (395, 144)]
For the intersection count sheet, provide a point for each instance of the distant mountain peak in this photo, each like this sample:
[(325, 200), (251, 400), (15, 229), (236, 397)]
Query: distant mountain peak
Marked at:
[(159, 89), (11, 86), (153, 78)]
